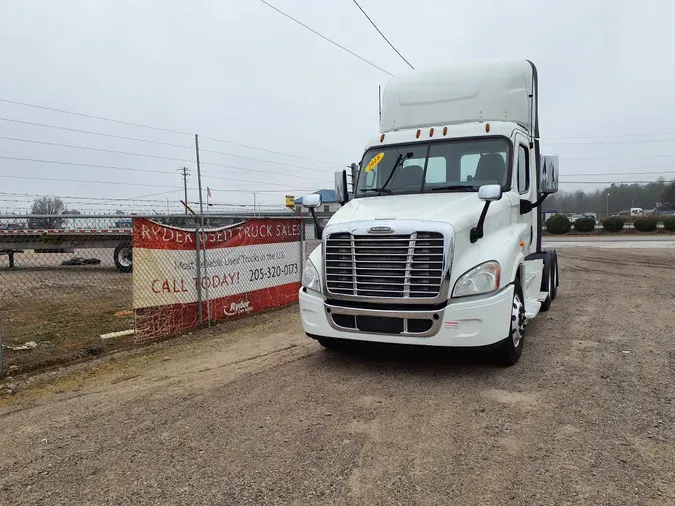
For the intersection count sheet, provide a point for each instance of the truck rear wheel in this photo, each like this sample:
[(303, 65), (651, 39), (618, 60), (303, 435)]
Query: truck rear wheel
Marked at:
[(123, 257), (547, 282), (512, 347), (554, 271)]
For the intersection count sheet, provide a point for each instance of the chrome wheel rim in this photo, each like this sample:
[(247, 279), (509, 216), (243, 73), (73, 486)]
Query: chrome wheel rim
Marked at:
[(125, 257), (517, 320)]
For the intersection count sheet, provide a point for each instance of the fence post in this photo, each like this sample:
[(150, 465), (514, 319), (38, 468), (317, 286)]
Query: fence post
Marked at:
[(201, 218), (199, 270), (2, 357), (303, 246)]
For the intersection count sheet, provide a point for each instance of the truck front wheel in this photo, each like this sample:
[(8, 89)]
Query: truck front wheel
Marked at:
[(123, 257), (512, 347)]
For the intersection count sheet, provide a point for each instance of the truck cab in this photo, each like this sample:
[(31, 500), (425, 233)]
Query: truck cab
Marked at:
[(441, 243)]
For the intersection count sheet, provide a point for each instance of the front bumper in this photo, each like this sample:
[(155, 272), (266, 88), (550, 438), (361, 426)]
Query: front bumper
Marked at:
[(466, 323)]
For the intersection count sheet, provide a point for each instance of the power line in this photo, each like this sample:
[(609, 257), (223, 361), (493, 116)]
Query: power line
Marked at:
[(616, 141), (609, 182), (146, 185), (113, 167), (621, 174), (620, 157), (256, 159), (620, 136), (148, 141), (89, 132), (25, 104), (16, 139), (91, 116), (147, 155), (132, 169), (325, 38), (380, 32), (267, 151), (113, 202), (74, 197)]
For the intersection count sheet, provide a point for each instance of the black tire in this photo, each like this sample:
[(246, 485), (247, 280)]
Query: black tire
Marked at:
[(331, 343), (547, 282), (509, 351), (556, 281), (123, 257)]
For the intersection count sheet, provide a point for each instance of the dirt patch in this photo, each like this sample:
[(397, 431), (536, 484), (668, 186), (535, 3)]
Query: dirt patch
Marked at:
[(64, 311), (263, 415)]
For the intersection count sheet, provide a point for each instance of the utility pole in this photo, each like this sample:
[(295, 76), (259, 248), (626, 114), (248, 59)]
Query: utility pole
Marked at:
[(185, 173), (201, 225)]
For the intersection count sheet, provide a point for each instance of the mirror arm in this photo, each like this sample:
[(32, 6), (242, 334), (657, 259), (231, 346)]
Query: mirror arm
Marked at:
[(318, 229), (526, 206), (477, 231)]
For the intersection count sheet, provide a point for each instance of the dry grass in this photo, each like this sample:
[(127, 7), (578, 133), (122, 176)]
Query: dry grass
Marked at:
[(64, 310)]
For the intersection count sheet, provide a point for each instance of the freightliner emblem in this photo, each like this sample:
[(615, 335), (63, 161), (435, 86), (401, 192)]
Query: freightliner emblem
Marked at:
[(380, 230)]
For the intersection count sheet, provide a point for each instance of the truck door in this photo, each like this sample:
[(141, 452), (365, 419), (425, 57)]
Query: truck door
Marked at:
[(523, 185)]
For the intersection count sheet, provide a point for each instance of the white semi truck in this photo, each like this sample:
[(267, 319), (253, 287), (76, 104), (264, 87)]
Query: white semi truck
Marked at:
[(441, 242)]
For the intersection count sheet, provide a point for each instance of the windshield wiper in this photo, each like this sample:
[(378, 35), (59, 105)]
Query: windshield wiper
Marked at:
[(379, 190), (455, 187), (399, 161)]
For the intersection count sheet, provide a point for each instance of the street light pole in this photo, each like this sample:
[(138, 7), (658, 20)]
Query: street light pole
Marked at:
[(607, 195)]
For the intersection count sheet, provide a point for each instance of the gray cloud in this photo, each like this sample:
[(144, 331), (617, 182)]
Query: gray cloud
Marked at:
[(239, 71)]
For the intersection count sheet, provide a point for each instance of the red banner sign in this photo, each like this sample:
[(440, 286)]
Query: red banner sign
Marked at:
[(250, 267)]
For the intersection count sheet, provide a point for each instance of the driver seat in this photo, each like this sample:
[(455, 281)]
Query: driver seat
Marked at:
[(491, 167)]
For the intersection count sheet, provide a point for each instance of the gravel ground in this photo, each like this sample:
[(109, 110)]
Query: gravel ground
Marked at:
[(262, 415)]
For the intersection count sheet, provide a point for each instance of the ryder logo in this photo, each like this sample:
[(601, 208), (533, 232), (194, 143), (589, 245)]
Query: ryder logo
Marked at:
[(237, 308)]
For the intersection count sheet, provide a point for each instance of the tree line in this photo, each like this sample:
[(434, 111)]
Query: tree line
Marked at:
[(614, 198)]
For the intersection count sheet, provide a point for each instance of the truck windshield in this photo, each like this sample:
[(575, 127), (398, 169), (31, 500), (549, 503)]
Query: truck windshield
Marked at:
[(452, 166)]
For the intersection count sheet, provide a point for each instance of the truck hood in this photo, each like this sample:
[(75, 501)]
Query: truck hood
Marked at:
[(461, 210)]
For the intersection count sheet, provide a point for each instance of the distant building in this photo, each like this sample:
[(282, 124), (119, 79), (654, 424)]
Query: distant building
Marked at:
[(328, 203)]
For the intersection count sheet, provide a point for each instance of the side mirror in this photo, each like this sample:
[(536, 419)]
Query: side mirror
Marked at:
[(548, 178), (487, 193), (311, 201), (490, 192), (341, 194)]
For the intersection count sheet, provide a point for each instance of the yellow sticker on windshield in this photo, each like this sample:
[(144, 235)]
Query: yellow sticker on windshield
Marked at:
[(373, 163)]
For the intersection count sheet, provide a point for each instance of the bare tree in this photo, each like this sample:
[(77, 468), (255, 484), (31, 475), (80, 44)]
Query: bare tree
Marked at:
[(668, 196), (47, 206)]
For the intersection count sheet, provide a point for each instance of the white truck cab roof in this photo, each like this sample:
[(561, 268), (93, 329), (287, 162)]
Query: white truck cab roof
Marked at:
[(446, 131), (471, 92)]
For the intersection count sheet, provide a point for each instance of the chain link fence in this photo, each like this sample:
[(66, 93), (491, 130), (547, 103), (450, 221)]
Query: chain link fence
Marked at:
[(81, 285)]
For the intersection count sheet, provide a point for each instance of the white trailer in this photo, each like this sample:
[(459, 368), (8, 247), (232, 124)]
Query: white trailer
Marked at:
[(441, 243)]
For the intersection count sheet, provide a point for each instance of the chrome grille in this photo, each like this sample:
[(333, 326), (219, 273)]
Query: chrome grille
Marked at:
[(391, 266)]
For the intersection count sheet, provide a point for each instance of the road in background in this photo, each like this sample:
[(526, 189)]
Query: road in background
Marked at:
[(648, 242)]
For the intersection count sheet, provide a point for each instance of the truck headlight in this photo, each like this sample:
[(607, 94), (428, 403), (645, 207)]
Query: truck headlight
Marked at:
[(483, 278), (310, 277)]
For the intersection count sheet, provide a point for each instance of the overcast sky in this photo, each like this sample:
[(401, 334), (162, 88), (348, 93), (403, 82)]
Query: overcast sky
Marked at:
[(241, 72)]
